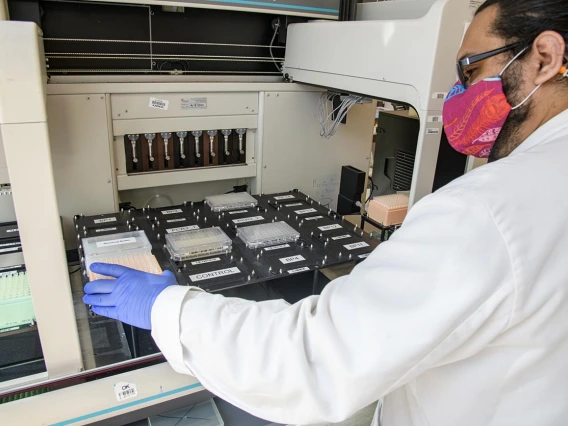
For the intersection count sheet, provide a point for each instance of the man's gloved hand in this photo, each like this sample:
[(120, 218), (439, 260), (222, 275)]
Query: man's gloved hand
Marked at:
[(130, 297)]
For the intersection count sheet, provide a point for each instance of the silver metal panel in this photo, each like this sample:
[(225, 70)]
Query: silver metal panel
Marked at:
[(294, 155)]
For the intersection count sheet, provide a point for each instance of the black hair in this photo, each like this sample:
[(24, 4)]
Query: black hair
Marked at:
[(524, 20)]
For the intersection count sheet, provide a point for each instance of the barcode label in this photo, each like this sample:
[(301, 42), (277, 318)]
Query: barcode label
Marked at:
[(182, 229), (329, 227), (355, 246), (108, 219), (159, 104), (284, 197), (439, 95), (305, 211), (172, 211), (124, 390), (434, 119)]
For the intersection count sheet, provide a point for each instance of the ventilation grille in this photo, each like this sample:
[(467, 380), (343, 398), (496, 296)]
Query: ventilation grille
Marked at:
[(404, 166)]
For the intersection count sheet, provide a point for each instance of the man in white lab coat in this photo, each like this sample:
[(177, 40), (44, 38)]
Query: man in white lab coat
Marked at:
[(462, 317)]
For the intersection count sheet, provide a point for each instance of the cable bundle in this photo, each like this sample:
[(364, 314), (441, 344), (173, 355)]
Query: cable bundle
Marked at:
[(328, 124)]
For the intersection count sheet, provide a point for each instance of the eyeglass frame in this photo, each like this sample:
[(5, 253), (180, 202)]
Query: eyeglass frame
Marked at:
[(480, 57)]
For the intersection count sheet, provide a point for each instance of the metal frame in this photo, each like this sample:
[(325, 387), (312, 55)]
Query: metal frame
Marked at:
[(338, 55), (23, 124)]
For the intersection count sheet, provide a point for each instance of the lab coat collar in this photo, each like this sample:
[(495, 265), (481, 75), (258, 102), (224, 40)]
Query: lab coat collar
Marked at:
[(553, 129)]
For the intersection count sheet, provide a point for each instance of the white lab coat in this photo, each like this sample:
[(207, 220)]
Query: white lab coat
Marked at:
[(461, 319)]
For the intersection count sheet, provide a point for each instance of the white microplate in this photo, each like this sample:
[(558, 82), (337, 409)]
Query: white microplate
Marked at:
[(236, 201), (113, 245), (268, 234), (197, 243)]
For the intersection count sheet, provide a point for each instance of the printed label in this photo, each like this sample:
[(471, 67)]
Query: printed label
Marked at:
[(239, 212), (201, 262), (181, 229), (159, 104), (364, 256), (292, 259), (330, 227), (214, 274), (124, 390), (108, 219), (358, 245), (294, 205), (432, 131), (118, 242), (181, 219), (277, 247), (295, 271), (248, 219), (193, 103), (105, 229), (314, 218), (12, 230), (172, 211), (439, 95), (434, 119), (341, 237), (305, 211), (15, 243), (284, 197)]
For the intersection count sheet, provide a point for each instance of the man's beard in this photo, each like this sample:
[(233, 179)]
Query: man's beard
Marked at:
[(509, 137)]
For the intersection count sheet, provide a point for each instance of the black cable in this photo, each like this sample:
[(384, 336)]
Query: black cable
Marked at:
[(75, 271), (373, 187)]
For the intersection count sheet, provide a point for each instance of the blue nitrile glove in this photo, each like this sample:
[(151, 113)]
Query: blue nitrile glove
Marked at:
[(130, 297)]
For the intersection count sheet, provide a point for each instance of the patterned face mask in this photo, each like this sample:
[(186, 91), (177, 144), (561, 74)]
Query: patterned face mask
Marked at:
[(474, 116)]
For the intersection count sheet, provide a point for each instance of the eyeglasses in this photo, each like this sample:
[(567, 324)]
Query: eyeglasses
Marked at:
[(477, 58)]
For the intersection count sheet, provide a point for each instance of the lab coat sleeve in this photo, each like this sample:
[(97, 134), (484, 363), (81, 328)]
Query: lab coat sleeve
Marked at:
[(439, 291)]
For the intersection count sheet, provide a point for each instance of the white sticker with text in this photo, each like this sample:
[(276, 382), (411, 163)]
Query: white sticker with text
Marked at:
[(214, 274), (201, 262), (364, 256), (295, 271), (181, 219), (124, 390), (355, 246), (329, 227), (341, 237), (239, 212), (105, 229), (277, 247), (182, 229), (118, 242), (159, 104), (248, 219), (314, 218), (292, 259), (172, 211), (108, 219), (305, 211), (284, 197), (193, 103)]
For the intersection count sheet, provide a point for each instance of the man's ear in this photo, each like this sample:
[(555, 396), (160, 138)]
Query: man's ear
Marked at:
[(548, 52)]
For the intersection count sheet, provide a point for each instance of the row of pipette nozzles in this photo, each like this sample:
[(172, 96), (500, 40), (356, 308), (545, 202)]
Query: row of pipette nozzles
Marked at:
[(196, 134)]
